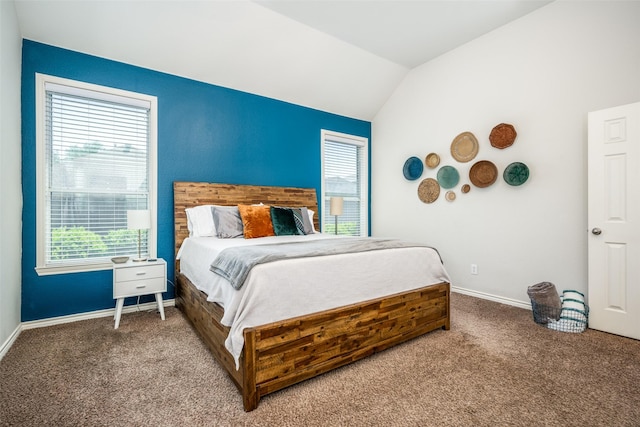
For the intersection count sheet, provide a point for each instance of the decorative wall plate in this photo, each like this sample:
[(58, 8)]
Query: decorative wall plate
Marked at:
[(413, 168), (465, 188), (483, 173), (450, 196), (464, 147), (448, 177), (502, 136), (432, 160), (516, 174), (428, 190)]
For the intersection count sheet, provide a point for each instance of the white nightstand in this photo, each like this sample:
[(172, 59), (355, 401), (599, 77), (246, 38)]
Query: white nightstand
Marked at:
[(132, 279)]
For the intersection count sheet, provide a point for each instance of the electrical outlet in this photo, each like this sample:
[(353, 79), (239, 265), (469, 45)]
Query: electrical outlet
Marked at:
[(474, 268)]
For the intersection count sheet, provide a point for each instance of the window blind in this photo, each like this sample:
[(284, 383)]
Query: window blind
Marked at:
[(343, 178), (97, 160)]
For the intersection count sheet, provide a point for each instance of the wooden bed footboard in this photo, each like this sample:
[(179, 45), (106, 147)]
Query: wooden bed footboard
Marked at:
[(284, 353)]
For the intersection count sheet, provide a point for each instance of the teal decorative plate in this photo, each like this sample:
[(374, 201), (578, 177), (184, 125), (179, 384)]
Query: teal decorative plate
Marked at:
[(516, 174), (448, 177), (413, 168)]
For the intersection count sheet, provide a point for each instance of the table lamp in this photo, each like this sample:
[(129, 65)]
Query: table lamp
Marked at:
[(139, 220), (335, 208)]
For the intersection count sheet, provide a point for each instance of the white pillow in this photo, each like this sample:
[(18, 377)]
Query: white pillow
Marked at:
[(200, 221), (310, 212)]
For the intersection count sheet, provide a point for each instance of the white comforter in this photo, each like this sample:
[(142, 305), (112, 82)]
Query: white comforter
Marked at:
[(289, 288)]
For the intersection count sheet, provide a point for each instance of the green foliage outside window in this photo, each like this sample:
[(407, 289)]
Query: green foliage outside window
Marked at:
[(75, 242), (80, 243), (120, 242), (344, 228)]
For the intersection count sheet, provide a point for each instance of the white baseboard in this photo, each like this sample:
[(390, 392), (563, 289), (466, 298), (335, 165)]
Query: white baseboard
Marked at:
[(32, 324), (4, 348), (490, 297), (110, 312)]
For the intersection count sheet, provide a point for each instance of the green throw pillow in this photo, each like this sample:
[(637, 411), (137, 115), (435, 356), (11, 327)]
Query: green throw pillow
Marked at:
[(284, 224)]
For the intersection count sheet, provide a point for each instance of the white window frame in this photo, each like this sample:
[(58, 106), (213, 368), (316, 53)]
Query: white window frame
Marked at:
[(363, 143), (98, 92)]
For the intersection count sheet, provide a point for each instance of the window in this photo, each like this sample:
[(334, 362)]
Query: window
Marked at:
[(96, 159), (345, 174)]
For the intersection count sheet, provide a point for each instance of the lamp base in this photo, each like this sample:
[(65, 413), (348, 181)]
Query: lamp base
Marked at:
[(139, 259)]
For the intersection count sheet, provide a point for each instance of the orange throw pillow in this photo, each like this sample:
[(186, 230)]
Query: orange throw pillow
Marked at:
[(256, 221)]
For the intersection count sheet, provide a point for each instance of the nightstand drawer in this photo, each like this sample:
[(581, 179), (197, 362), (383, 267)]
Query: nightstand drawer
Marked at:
[(139, 287), (141, 272)]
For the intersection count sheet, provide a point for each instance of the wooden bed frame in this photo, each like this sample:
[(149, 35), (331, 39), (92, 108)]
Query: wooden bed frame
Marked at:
[(283, 353)]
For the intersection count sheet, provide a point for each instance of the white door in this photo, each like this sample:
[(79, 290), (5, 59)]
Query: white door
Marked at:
[(614, 220)]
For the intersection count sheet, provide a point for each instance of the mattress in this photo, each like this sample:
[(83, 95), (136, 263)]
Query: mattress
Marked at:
[(289, 288)]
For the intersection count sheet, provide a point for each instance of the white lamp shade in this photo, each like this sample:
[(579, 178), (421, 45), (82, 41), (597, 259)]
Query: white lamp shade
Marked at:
[(138, 220), (335, 205)]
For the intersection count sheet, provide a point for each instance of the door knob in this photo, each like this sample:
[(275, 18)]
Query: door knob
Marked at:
[(596, 231)]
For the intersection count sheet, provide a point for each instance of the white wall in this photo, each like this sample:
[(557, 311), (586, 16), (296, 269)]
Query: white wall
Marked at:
[(542, 73), (10, 180)]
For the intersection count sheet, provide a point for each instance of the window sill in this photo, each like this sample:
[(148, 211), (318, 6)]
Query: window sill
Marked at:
[(66, 269)]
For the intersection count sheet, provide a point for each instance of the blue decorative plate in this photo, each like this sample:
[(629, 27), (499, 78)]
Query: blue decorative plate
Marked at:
[(448, 177), (516, 173), (413, 168)]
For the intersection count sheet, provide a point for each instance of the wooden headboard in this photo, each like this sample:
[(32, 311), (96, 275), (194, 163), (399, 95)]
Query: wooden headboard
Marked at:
[(190, 194)]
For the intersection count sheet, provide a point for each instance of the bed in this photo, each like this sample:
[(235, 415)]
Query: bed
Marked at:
[(278, 354)]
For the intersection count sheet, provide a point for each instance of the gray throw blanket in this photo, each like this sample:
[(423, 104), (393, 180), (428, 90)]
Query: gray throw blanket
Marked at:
[(234, 264)]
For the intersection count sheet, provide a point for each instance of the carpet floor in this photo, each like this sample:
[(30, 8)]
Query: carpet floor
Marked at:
[(495, 367)]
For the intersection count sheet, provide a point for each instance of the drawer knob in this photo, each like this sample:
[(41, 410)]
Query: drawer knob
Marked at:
[(141, 286), (141, 273)]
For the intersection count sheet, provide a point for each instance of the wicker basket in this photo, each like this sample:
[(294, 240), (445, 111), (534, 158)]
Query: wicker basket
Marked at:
[(560, 319)]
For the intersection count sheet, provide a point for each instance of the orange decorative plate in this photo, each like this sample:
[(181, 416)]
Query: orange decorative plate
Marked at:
[(502, 136)]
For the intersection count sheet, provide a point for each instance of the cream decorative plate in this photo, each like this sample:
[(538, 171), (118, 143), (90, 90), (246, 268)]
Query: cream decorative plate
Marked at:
[(450, 196), (464, 147), (432, 160), (428, 190)]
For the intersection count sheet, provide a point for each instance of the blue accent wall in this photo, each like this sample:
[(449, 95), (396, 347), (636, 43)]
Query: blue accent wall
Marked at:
[(205, 133)]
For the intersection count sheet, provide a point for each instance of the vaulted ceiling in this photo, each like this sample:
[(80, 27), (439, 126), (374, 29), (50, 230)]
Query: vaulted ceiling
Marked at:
[(345, 57)]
